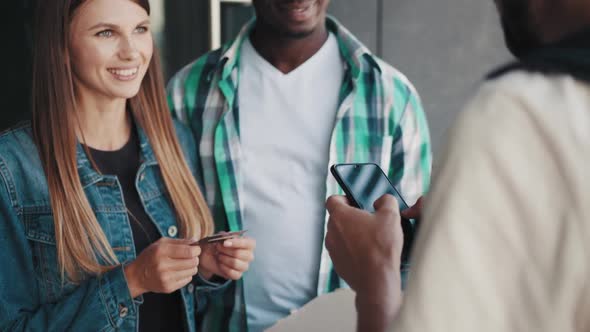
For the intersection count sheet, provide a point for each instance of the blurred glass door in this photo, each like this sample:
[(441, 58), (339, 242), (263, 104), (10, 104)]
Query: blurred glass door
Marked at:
[(193, 27), (226, 17)]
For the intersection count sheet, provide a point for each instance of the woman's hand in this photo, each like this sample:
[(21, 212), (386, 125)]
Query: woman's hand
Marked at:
[(164, 267), (229, 259)]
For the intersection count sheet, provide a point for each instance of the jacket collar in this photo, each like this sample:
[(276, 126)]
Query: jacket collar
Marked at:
[(88, 175)]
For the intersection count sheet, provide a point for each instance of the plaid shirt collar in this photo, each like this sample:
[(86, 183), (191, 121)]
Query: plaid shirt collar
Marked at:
[(355, 54)]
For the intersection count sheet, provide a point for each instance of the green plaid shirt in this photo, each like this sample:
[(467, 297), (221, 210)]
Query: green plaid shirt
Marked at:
[(380, 119)]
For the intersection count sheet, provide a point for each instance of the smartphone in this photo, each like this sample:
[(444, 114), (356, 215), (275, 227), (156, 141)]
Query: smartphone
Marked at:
[(365, 183)]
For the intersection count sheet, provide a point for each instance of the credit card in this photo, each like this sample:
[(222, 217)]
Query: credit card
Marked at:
[(219, 237)]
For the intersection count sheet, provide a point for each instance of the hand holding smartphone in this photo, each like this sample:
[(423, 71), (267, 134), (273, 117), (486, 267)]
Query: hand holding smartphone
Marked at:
[(363, 184)]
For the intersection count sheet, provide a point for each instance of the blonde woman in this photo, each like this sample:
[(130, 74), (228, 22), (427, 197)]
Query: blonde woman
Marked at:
[(98, 204)]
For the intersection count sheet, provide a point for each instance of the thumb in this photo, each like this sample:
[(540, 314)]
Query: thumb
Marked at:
[(386, 203)]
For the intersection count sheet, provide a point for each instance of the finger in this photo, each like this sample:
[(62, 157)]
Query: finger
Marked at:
[(386, 203), (346, 215), (411, 213), (180, 275), (182, 251), (175, 240), (182, 264), (229, 273), (415, 212), (186, 241), (181, 283), (239, 243), (245, 255), (233, 263), (336, 201)]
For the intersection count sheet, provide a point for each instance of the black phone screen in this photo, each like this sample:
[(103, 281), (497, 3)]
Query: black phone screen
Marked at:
[(364, 184)]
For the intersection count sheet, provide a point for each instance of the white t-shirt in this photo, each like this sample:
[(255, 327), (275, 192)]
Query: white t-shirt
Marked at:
[(286, 123), (505, 240)]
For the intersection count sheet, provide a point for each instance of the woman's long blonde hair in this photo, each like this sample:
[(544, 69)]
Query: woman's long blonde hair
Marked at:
[(81, 243)]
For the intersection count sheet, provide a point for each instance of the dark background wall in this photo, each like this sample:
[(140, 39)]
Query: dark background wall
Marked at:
[(444, 46), (15, 58)]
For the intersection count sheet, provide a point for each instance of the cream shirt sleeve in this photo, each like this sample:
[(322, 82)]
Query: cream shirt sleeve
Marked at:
[(498, 249)]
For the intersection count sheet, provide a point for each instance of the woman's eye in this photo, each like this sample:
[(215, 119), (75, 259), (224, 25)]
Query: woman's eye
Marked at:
[(105, 33), (141, 29)]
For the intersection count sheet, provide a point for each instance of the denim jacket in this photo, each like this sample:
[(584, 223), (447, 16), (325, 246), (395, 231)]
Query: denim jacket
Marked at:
[(32, 294)]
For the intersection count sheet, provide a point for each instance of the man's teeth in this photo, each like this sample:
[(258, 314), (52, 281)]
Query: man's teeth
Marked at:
[(124, 72), (299, 8)]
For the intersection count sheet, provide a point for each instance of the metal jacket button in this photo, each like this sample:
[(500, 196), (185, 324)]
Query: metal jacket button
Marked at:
[(172, 231), (123, 311)]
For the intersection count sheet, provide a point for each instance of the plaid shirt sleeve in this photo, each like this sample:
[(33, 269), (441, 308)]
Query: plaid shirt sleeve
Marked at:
[(179, 96), (411, 157), (411, 148)]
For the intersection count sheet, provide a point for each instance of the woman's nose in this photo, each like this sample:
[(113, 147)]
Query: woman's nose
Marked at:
[(128, 50)]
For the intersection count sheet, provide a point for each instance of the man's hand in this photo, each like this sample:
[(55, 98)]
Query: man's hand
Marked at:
[(365, 249), (229, 259)]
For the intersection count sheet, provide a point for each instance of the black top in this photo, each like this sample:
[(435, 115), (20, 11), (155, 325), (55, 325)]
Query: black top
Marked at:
[(159, 312)]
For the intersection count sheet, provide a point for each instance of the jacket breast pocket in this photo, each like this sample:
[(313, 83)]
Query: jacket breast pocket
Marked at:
[(40, 233)]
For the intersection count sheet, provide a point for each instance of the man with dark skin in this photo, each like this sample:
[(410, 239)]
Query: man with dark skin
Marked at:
[(503, 245), (270, 111), (287, 38)]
